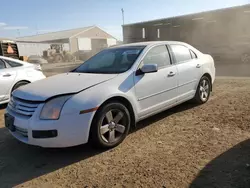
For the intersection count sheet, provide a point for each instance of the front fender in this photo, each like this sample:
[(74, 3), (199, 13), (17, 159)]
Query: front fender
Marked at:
[(94, 97)]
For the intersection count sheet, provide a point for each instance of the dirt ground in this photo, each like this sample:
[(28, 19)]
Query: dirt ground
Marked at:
[(187, 146)]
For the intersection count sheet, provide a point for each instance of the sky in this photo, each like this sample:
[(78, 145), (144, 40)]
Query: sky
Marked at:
[(30, 17)]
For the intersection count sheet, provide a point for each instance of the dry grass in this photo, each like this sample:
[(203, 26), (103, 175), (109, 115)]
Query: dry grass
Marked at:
[(188, 146)]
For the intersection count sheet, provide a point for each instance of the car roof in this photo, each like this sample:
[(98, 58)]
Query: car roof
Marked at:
[(149, 43)]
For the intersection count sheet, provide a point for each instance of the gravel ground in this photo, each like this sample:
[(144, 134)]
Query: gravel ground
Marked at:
[(187, 146), (55, 68)]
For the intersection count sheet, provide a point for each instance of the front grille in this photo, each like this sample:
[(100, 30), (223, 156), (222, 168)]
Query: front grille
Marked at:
[(23, 107), (22, 131)]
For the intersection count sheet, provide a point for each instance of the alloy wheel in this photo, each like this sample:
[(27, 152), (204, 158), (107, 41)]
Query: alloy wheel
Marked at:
[(204, 90), (113, 126)]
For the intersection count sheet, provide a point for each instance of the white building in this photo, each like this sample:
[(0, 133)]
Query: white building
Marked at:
[(87, 40)]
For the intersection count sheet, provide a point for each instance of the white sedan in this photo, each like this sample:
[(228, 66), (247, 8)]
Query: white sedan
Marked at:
[(104, 97), (15, 73)]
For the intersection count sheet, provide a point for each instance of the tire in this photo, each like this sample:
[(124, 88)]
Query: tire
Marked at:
[(58, 58), (109, 130), (203, 91), (19, 84)]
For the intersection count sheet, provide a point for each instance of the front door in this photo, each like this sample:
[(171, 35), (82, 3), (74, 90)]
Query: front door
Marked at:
[(155, 91), (7, 77)]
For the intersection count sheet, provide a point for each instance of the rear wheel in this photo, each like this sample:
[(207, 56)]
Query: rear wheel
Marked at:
[(203, 90), (110, 125)]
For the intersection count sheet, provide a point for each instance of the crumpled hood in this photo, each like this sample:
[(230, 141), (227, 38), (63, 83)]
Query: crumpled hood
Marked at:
[(66, 83)]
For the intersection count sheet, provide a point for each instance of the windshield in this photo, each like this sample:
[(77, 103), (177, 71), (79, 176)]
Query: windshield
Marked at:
[(111, 61)]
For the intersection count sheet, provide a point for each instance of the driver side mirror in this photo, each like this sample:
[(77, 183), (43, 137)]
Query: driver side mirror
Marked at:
[(148, 68)]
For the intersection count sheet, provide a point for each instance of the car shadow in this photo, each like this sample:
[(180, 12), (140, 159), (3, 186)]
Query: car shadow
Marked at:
[(20, 163), (3, 106), (231, 169)]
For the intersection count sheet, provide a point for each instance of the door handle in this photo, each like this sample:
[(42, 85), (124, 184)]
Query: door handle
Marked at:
[(171, 74), (198, 66), (7, 75)]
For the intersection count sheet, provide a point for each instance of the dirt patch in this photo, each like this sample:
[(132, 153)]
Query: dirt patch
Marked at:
[(187, 146)]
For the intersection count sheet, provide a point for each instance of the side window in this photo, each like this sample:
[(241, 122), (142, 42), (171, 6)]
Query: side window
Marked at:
[(2, 64), (193, 55), (181, 53), (158, 55), (12, 63)]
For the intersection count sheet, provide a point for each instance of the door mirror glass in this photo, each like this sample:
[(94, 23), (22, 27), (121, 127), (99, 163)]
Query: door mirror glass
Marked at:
[(148, 68)]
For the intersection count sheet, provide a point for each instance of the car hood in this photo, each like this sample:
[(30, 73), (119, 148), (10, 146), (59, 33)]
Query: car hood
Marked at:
[(67, 83)]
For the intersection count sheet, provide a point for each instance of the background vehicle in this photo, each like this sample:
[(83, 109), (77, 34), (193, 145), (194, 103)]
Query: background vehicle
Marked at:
[(8, 48), (15, 73), (56, 54), (106, 95)]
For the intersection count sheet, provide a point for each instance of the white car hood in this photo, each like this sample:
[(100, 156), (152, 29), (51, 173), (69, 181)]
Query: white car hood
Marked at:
[(66, 83)]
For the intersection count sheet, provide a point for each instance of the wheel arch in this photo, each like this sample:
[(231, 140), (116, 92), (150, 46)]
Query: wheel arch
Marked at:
[(210, 79), (19, 81), (126, 103)]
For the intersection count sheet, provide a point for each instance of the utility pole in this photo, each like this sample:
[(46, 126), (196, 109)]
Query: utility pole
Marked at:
[(122, 16)]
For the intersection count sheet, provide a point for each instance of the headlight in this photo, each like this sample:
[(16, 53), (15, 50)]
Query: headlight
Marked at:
[(52, 109)]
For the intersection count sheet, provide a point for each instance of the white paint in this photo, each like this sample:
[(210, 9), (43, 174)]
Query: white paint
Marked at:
[(111, 42), (74, 82), (27, 72), (84, 44), (158, 90)]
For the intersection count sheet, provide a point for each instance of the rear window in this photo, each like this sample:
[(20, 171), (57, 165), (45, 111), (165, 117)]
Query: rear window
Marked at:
[(13, 64)]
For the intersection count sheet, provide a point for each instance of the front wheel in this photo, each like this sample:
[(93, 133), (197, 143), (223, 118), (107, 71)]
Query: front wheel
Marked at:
[(203, 90), (110, 126)]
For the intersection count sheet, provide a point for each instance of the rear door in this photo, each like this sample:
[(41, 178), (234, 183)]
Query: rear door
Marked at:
[(7, 79), (189, 71)]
